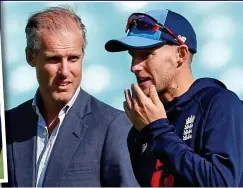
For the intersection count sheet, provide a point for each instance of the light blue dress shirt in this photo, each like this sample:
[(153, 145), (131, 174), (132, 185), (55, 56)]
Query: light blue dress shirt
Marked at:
[(45, 145)]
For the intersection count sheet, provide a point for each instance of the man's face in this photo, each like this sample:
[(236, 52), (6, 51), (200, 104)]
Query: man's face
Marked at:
[(155, 66), (59, 64)]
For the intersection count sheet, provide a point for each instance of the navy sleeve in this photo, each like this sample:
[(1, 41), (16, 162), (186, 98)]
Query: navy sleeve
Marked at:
[(221, 162), (116, 164)]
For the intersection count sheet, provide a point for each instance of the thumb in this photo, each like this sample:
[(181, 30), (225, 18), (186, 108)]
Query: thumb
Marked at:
[(154, 95)]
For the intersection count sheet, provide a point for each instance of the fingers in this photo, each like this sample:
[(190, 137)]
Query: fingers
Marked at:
[(130, 104), (128, 98), (154, 95), (138, 94), (127, 110)]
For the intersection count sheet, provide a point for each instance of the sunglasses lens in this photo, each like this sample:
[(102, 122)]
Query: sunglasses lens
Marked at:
[(131, 18), (130, 21), (143, 23), (147, 24)]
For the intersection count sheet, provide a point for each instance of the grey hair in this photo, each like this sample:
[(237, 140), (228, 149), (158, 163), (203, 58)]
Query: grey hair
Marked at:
[(51, 19)]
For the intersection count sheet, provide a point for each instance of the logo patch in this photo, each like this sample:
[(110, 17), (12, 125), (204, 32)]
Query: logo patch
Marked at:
[(144, 147), (182, 38), (187, 134)]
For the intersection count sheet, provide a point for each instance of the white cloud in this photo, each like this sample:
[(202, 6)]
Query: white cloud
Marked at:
[(232, 78), (96, 78), (130, 5), (22, 80), (218, 27), (215, 55)]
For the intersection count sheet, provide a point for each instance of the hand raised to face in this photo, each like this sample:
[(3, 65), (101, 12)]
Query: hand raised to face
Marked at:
[(142, 110)]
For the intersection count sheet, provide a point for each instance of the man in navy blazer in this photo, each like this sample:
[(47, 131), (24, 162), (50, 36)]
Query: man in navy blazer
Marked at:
[(64, 136)]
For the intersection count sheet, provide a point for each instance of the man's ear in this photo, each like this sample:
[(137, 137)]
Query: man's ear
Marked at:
[(29, 57), (183, 54)]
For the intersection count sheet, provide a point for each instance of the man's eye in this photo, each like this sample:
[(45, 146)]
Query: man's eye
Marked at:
[(73, 58), (53, 59)]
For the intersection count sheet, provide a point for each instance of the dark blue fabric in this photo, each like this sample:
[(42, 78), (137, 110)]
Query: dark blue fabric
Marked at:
[(90, 149), (214, 154)]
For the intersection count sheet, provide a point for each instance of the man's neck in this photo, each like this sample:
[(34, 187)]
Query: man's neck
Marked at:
[(50, 112), (49, 109)]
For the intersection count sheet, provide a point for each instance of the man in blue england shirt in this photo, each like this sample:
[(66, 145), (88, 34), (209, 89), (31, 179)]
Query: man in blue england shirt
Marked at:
[(186, 132)]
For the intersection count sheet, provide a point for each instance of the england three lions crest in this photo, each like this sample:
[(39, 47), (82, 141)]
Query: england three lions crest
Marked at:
[(187, 134)]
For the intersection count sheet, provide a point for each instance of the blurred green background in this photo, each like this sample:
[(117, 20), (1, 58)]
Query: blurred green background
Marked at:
[(1, 167), (218, 26)]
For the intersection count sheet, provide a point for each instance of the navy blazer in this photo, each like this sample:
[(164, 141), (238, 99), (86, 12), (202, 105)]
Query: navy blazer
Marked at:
[(90, 149)]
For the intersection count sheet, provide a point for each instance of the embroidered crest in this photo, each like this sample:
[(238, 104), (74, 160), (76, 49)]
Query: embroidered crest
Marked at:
[(187, 134), (144, 147)]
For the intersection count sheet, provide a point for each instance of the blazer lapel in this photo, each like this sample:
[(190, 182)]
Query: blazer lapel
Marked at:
[(70, 135), (24, 149)]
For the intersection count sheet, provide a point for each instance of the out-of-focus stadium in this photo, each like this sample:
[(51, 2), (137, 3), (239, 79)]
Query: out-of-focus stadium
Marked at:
[(218, 25)]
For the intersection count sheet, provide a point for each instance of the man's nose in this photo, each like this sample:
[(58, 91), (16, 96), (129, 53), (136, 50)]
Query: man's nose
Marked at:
[(64, 70), (136, 65)]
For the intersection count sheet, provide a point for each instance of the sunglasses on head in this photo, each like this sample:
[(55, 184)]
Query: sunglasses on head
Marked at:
[(145, 22)]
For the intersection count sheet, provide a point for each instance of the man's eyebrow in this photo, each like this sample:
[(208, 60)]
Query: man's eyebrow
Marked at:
[(51, 54), (74, 54), (57, 54)]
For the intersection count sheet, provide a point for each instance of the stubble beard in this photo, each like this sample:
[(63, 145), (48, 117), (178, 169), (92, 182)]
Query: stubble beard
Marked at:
[(166, 84), (62, 98)]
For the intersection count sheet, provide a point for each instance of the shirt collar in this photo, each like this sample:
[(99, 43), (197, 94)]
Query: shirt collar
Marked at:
[(65, 109)]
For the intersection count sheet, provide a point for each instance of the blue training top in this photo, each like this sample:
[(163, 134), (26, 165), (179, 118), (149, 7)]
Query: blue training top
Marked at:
[(200, 144)]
